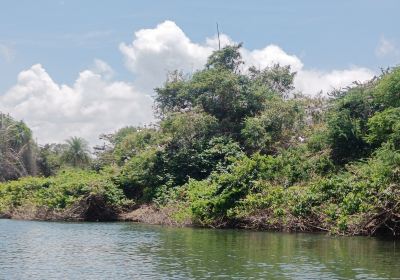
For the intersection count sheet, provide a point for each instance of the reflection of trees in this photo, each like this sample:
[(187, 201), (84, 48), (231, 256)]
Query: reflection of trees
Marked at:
[(132, 251), (198, 253)]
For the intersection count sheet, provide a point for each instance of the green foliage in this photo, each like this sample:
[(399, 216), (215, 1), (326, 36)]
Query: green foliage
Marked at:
[(219, 153), (219, 197), (347, 124), (119, 136), (346, 137), (141, 175), (17, 149), (59, 192), (363, 199), (173, 96), (50, 158), (387, 93), (134, 143), (384, 126), (276, 127), (228, 58), (76, 152), (185, 128), (188, 136), (277, 78), (115, 149), (222, 92), (185, 147)]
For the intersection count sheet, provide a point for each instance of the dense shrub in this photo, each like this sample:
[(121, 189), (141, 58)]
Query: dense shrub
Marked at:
[(60, 192)]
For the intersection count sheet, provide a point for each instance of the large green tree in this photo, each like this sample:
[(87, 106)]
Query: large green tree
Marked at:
[(77, 152), (17, 149)]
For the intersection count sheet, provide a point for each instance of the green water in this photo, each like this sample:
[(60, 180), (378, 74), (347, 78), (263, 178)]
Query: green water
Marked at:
[(43, 250)]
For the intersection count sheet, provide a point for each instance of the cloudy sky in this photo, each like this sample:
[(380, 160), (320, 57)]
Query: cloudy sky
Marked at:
[(86, 67)]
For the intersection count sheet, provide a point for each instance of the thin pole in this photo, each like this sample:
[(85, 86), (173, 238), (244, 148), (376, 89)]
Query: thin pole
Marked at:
[(219, 42)]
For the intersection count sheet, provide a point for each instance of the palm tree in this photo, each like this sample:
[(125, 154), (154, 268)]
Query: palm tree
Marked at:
[(77, 152)]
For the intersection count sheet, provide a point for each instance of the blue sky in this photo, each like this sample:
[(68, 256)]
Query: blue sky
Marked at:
[(66, 37)]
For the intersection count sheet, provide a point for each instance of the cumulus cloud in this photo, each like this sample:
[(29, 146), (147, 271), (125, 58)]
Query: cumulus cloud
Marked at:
[(95, 103), (269, 56), (314, 81), (102, 68), (91, 106), (154, 52)]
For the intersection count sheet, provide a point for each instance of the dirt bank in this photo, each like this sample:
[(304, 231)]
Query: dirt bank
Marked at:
[(149, 214), (93, 208)]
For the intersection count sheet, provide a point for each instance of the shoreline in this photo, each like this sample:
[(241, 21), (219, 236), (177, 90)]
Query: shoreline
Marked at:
[(150, 215)]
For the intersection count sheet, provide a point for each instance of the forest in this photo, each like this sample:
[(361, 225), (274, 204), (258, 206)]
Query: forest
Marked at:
[(233, 147)]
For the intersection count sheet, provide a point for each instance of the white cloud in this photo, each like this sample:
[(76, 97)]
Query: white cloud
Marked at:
[(97, 104), (6, 52), (154, 52), (386, 47), (91, 106), (314, 81), (102, 68), (269, 56)]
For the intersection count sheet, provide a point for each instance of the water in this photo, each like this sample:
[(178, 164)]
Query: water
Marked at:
[(44, 250)]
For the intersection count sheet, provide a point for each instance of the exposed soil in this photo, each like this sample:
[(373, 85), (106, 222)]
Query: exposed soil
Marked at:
[(149, 214)]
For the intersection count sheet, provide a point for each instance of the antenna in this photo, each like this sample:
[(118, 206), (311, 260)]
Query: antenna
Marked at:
[(219, 42)]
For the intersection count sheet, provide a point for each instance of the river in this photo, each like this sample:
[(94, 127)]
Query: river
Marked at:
[(50, 250)]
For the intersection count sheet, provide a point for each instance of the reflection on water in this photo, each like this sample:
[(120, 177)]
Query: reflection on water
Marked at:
[(42, 250)]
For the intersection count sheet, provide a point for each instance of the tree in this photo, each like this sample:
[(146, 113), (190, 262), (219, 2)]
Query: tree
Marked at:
[(134, 143), (387, 93), (50, 158), (277, 78), (186, 136), (226, 96), (173, 96), (276, 127), (347, 121), (223, 92), (228, 58), (17, 149), (77, 152), (383, 127)]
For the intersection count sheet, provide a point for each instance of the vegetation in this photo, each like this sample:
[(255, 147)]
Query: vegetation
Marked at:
[(17, 155), (235, 147), (76, 152), (70, 195)]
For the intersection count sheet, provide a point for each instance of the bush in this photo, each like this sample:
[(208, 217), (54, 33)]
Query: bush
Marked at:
[(60, 192), (387, 93), (384, 126)]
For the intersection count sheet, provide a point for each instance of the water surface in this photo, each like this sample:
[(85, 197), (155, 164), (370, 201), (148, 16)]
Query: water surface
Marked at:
[(48, 250)]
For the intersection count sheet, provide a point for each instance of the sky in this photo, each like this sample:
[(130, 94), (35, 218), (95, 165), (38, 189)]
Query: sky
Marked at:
[(82, 68)]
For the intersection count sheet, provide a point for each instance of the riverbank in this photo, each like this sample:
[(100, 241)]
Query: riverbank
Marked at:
[(87, 211), (169, 216), (322, 206)]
